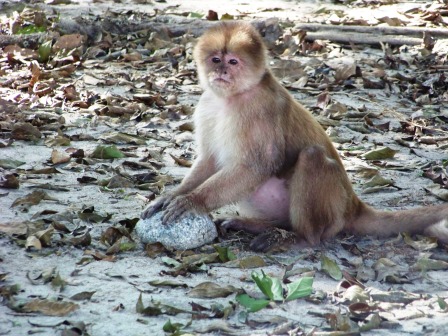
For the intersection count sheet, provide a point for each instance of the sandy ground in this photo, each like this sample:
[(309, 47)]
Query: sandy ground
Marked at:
[(117, 285)]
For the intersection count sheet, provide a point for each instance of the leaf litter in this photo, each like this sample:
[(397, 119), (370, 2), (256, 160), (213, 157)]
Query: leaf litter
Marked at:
[(97, 120)]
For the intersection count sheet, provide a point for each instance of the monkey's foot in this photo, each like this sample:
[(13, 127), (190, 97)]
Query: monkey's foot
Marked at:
[(273, 239), (249, 225)]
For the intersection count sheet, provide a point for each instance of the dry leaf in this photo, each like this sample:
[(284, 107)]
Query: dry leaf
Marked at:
[(58, 157), (50, 308), (211, 290)]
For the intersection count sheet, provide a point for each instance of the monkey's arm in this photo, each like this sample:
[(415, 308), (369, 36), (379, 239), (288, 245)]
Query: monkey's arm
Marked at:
[(202, 169), (227, 186)]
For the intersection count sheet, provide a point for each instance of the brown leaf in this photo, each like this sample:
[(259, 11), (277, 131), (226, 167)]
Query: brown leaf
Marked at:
[(9, 181), (35, 73), (373, 84), (25, 131), (32, 199), (58, 157), (211, 290), (99, 256), (393, 22), (45, 236), (82, 296), (212, 16), (70, 92), (14, 228), (84, 240), (15, 51), (181, 162), (154, 250), (114, 249), (50, 308), (323, 99), (360, 307), (344, 68), (131, 57), (59, 140), (34, 242), (44, 171), (69, 42)]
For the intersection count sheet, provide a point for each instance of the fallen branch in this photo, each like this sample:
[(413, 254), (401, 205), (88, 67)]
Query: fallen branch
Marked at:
[(358, 38), (374, 30), (166, 25), (31, 41)]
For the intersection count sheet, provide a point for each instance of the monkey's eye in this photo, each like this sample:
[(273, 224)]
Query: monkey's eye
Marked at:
[(216, 60), (233, 61)]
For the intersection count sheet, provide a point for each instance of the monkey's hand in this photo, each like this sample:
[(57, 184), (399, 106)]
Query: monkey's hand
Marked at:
[(179, 206), (156, 205)]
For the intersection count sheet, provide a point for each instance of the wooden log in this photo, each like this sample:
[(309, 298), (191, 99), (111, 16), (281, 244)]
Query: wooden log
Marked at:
[(357, 38), (377, 30), (30, 41), (167, 25)]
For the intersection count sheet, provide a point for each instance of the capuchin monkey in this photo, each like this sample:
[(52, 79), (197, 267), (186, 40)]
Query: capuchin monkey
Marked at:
[(260, 149)]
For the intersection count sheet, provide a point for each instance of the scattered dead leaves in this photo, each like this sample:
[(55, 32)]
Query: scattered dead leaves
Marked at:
[(108, 105)]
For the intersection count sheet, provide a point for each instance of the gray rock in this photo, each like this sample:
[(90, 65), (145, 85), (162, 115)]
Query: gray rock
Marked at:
[(186, 233)]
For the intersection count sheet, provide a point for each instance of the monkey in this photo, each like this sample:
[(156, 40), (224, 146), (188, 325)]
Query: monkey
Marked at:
[(261, 149)]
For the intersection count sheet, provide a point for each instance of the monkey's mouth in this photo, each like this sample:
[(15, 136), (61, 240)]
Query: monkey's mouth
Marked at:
[(220, 78), (220, 81)]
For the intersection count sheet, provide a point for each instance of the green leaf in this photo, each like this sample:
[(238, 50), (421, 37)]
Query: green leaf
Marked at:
[(170, 327), (225, 254), (31, 29), (175, 329), (271, 287), (253, 305), (227, 17), (300, 288), (107, 152), (128, 246), (252, 262), (442, 303), (44, 51), (330, 267), (425, 264), (195, 15)]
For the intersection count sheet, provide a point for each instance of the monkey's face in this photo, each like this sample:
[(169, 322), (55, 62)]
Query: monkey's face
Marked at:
[(230, 58), (223, 72)]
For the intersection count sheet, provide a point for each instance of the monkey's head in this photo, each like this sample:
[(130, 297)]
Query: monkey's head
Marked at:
[(231, 58)]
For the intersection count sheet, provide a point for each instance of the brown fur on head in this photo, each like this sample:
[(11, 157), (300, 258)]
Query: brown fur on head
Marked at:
[(230, 58)]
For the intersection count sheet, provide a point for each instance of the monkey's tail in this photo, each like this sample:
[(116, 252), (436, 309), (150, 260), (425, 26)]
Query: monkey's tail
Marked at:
[(431, 221)]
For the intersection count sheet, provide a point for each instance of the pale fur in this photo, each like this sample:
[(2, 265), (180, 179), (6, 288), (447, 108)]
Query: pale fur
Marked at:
[(259, 147)]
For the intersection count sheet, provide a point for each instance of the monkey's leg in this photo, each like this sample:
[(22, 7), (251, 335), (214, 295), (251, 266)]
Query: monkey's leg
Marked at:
[(318, 201), (320, 194)]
